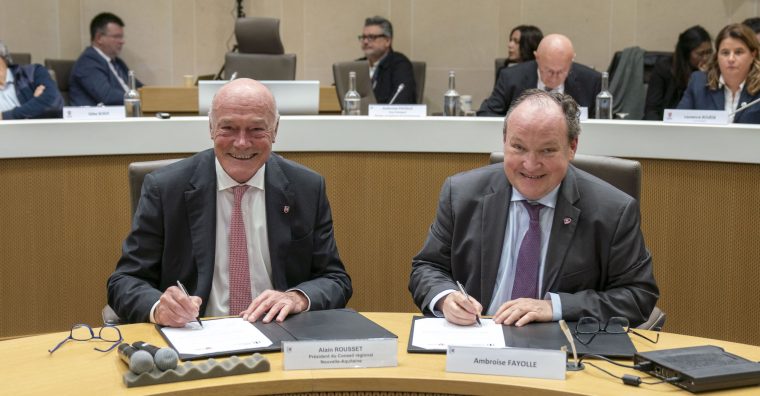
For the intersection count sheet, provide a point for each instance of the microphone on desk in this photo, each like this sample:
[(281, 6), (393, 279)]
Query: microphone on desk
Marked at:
[(569, 335), (233, 76), (398, 91), (138, 361), (745, 106), (164, 358)]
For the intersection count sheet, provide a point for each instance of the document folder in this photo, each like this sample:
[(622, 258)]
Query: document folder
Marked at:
[(550, 336), (334, 324)]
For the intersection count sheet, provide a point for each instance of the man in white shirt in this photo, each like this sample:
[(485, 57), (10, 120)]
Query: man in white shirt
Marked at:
[(246, 231)]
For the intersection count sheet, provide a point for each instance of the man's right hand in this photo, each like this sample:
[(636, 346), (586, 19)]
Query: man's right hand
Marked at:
[(458, 309), (176, 309)]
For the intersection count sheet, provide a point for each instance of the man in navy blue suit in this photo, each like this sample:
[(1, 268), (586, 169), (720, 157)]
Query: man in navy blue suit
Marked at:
[(99, 75)]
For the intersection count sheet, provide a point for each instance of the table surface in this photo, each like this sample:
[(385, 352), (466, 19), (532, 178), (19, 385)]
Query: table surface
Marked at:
[(75, 367)]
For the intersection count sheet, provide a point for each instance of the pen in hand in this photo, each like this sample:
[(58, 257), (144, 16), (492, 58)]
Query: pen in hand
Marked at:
[(467, 296), (182, 287)]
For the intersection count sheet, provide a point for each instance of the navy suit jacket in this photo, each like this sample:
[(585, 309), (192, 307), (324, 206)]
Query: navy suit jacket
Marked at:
[(26, 80), (92, 82), (174, 231), (393, 70), (699, 96), (596, 260), (582, 83)]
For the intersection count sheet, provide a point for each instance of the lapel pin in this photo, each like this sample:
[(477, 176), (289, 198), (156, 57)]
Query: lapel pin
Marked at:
[(567, 220), (286, 209)]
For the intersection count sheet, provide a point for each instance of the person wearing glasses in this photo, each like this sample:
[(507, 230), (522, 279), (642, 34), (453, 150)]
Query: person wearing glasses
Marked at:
[(552, 70), (243, 230), (535, 239), (732, 78), (100, 75), (670, 76), (388, 69)]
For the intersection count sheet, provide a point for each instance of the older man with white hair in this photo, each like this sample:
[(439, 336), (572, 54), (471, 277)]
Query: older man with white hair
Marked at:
[(26, 91)]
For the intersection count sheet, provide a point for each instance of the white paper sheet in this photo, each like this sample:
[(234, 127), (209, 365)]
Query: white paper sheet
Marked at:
[(438, 333), (216, 336)]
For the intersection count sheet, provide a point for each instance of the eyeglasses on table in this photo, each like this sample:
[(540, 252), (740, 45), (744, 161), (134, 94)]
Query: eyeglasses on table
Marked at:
[(83, 332), (588, 327)]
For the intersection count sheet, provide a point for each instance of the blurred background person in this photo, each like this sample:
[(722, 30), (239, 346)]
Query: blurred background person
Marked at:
[(523, 42), (670, 77), (754, 24), (732, 78), (387, 68), (26, 91)]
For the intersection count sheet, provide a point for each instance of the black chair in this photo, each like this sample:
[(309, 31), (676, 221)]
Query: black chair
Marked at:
[(363, 83), (260, 53), (137, 172), (419, 70), (650, 59), (60, 69), (21, 58)]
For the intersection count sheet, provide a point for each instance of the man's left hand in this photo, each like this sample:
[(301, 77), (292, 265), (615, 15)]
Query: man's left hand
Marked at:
[(40, 89), (275, 303), (523, 311)]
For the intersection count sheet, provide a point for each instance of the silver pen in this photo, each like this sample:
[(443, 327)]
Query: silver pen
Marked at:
[(182, 287), (467, 296)]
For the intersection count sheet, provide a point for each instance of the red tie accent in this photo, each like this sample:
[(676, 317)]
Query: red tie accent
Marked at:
[(239, 276)]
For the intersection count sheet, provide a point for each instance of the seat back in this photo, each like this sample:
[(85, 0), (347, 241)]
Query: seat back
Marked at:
[(498, 63), (419, 70), (363, 83), (258, 35), (260, 66), (624, 174), (21, 58), (61, 70), (650, 59), (137, 172)]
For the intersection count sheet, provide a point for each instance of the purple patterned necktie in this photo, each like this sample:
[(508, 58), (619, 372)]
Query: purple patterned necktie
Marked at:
[(529, 257), (239, 274)]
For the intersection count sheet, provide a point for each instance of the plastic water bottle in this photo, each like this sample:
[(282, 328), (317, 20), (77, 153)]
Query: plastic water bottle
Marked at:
[(604, 100), (352, 101), (132, 102), (451, 97)]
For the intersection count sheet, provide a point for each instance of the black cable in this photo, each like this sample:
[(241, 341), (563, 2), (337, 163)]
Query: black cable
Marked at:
[(627, 379), (606, 359)]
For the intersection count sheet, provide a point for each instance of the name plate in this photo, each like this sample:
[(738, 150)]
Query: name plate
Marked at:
[(583, 116), (93, 112), (305, 355), (399, 110), (513, 362), (716, 117)]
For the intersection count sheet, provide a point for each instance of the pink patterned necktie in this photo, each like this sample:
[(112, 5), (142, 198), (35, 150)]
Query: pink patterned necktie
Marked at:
[(529, 257), (239, 276)]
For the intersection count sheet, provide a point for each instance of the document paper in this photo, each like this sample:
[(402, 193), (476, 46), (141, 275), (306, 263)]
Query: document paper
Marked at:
[(216, 336), (438, 333)]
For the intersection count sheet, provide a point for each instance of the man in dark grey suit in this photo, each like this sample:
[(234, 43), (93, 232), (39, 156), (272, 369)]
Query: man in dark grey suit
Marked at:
[(238, 225), (553, 70), (535, 239)]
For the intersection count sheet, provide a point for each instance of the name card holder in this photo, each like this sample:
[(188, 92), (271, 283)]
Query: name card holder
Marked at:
[(94, 113), (364, 353), (707, 117), (512, 362), (397, 110)]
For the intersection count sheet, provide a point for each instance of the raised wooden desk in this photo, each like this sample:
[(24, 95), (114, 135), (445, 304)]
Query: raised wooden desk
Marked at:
[(75, 368)]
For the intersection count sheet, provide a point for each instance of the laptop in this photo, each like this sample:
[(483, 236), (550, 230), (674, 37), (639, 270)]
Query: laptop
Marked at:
[(293, 97)]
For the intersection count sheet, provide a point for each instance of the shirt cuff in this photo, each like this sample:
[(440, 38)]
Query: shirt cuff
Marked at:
[(439, 296), (308, 300), (153, 312), (556, 306)]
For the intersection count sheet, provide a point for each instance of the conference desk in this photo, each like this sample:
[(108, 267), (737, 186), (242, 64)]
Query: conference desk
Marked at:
[(64, 206), (76, 369)]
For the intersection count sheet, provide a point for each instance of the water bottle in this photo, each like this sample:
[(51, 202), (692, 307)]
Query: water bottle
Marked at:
[(604, 100), (132, 102), (352, 102), (451, 98)]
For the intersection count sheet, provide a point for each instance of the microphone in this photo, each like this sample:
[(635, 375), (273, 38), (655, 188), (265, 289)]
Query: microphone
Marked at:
[(745, 106), (233, 76), (138, 361), (569, 336), (164, 358), (398, 91)]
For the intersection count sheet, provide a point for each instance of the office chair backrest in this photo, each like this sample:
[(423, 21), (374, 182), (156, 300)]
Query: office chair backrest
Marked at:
[(363, 83), (137, 172), (624, 174), (498, 63), (650, 59), (258, 35), (61, 71), (21, 58), (260, 66), (419, 70)]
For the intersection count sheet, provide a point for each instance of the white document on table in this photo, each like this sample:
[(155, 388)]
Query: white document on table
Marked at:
[(216, 336), (438, 333)]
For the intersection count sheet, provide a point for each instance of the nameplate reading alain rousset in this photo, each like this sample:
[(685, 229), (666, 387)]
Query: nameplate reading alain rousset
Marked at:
[(513, 362), (711, 117), (94, 113), (376, 352)]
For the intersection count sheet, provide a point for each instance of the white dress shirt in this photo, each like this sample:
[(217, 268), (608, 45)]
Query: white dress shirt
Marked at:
[(8, 98), (732, 101)]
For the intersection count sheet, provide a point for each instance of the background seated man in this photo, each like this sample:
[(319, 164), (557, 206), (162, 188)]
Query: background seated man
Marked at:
[(246, 231), (387, 68), (99, 75), (553, 70), (534, 238), (26, 91)]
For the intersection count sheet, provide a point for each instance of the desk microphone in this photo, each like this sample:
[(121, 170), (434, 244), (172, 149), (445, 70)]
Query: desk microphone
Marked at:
[(164, 358), (398, 91), (566, 331), (745, 106), (139, 361), (233, 76)]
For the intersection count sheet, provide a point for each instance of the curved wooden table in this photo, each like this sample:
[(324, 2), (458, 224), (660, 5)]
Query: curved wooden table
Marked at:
[(75, 368)]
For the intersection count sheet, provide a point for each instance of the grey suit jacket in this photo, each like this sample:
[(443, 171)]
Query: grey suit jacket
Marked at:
[(174, 231), (597, 263)]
